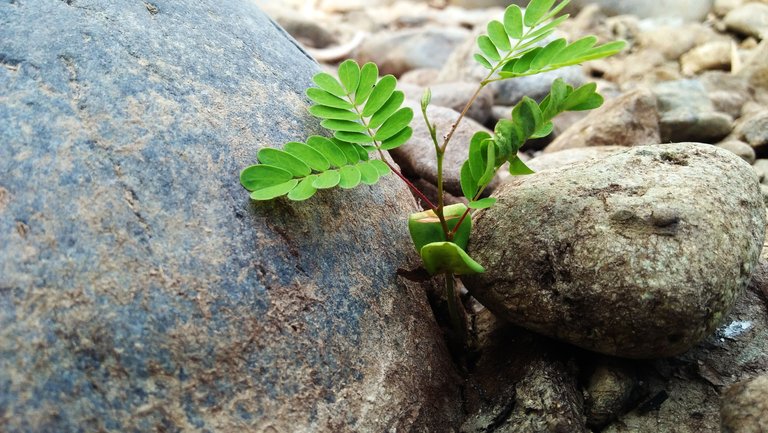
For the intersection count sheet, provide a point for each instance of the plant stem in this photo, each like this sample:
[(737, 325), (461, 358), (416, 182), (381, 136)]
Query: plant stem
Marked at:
[(440, 199), (462, 114), (410, 185), (381, 154), (459, 327)]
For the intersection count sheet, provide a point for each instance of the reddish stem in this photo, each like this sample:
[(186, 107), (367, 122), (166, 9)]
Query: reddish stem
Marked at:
[(410, 185), (461, 220)]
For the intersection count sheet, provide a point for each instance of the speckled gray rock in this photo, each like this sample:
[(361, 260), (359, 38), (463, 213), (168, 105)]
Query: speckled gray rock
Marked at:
[(456, 95), (745, 407), (687, 114), (741, 149), (631, 119), (547, 161), (396, 52), (643, 234), (140, 288), (753, 128)]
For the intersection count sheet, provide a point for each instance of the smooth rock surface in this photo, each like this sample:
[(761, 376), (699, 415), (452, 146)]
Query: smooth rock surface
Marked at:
[(400, 51), (687, 114), (751, 19), (741, 149), (643, 234), (629, 120), (712, 55), (141, 289), (691, 10)]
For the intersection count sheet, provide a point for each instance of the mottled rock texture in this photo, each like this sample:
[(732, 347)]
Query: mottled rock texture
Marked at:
[(745, 407), (661, 238), (628, 120), (140, 288)]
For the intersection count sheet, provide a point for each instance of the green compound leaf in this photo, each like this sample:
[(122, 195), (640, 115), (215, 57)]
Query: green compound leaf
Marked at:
[(324, 112), (308, 155), (304, 189), (263, 176), (560, 6), (546, 29), (396, 123), (321, 97), (393, 103), (513, 21), (490, 165), (584, 96), (353, 137), (483, 61), (398, 139), (545, 56), (574, 49), (447, 257), (351, 151), (499, 36), (329, 149), (476, 152), (527, 116), (484, 203), (349, 74), (381, 167), (350, 176), (544, 130), (369, 73), (343, 125), (486, 46), (284, 160), (517, 167), (536, 11), (271, 192), (328, 83), (523, 64), (327, 179), (468, 182), (369, 175), (362, 152), (380, 95), (606, 50)]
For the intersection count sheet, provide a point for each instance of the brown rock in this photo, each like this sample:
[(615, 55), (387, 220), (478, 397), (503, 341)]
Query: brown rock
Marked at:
[(629, 120), (626, 233), (745, 407)]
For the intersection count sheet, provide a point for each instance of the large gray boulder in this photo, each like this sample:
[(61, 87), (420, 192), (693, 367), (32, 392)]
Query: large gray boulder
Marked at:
[(638, 254), (141, 289)]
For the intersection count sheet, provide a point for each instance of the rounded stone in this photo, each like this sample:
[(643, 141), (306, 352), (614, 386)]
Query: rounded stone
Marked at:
[(639, 254), (744, 407), (141, 289)]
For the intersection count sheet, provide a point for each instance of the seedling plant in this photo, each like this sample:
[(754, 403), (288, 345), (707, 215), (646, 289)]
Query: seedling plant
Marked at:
[(364, 114)]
